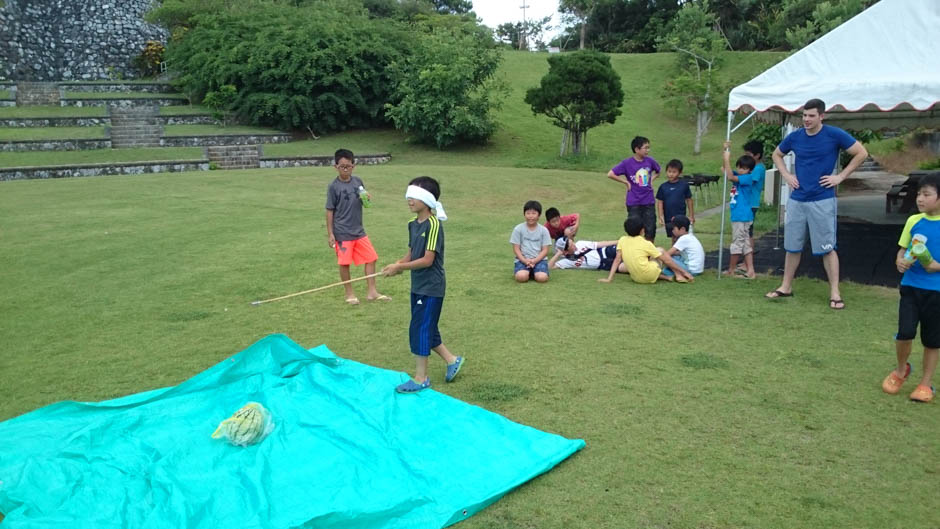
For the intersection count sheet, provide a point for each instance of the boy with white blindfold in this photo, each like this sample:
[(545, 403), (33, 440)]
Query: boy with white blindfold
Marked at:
[(425, 259)]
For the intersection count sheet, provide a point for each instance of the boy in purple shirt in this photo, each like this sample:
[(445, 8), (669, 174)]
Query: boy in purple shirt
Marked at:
[(638, 173)]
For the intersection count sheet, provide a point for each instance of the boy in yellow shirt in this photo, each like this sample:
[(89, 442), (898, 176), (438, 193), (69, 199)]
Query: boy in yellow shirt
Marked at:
[(643, 261)]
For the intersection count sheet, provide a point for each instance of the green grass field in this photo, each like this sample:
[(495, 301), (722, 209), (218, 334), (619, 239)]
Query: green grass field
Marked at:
[(702, 405)]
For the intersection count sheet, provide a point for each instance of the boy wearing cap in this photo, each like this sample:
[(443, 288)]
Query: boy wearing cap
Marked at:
[(687, 250), (584, 255), (425, 259)]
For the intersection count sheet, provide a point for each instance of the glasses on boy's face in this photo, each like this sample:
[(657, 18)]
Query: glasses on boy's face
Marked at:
[(345, 167)]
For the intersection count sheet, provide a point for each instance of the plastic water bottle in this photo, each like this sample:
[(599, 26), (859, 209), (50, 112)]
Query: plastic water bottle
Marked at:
[(364, 197)]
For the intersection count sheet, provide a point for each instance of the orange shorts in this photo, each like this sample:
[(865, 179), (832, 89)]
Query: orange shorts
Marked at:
[(357, 252)]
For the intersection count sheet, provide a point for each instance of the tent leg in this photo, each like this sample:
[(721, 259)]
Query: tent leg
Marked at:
[(724, 198)]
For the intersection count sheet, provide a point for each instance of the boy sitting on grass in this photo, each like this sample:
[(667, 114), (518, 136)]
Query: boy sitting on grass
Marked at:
[(644, 262), (741, 215), (920, 291), (687, 250), (530, 241)]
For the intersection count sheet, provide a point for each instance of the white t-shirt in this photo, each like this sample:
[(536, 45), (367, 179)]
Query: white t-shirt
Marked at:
[(589, 261), (692, 252)]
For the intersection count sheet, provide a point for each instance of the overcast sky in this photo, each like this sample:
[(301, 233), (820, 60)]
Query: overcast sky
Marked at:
[(496, 12)]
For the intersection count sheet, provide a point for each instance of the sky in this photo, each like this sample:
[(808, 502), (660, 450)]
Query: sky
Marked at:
[(496, 12)]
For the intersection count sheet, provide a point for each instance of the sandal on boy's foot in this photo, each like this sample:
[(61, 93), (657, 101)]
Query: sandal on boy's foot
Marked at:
[(892, 383), (413, 387), (922, 393), (453, 369), (776, 294), (352, 300), (836, 304)]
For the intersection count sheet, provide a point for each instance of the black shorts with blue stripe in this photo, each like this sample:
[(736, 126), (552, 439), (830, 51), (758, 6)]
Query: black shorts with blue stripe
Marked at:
[(423, 332)]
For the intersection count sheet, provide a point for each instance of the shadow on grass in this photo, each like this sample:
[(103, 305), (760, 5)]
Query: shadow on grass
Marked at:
[(178, 317)]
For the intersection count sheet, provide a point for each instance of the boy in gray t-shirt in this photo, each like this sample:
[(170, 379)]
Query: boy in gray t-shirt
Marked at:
[(344, 230), (530, 242)]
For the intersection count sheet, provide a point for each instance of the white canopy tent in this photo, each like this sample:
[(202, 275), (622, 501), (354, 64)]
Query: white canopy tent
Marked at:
[(879, 69)]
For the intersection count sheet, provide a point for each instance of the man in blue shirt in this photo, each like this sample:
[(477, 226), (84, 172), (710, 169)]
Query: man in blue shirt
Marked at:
[(812, 203)]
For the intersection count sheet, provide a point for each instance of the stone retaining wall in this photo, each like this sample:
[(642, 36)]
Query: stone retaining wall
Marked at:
[(117, 86), (161, 101), (7, 102), (54, 145), (223, 139), (52, 40), (37, 93), (320, 161), (128, 168), (195, 119)]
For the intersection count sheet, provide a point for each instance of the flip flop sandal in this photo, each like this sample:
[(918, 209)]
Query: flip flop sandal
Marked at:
[(834, 302), (381, 297), (776, 294), (352, 301)]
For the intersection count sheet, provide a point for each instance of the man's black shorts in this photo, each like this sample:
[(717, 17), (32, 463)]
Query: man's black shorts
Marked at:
[(919, 305)]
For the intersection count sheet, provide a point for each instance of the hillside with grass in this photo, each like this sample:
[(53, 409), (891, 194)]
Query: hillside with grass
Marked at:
[(524, 139)]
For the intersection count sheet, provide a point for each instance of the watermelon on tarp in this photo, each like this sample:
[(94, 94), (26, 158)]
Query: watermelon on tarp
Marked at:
[(348, 452)]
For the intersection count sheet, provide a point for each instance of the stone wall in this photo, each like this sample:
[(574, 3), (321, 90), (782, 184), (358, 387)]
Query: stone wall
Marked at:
[(37, 93), (51, 40), (234, 156)]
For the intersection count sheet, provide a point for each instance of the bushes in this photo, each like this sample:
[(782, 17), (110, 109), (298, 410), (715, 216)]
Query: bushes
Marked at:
[(293, 67), (446, 87)]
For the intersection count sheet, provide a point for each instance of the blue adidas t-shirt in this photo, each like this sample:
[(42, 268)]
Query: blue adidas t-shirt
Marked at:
[(816, 156), (757, 184), (673, 195), (929, 227), (740, 203)]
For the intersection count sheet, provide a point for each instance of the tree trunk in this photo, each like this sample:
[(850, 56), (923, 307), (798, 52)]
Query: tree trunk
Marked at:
[(702, 119), (564, 142), (583, 32), (577, 137)]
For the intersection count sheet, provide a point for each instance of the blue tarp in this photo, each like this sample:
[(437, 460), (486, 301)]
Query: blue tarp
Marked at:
[(346, 452)]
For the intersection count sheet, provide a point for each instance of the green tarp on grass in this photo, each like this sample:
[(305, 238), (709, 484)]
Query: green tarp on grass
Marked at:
[(346, 452)]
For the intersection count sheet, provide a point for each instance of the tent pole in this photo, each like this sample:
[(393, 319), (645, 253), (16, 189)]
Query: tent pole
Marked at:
[(724, 198)]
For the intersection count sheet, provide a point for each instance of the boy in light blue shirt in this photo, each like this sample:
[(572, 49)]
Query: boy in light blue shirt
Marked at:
[(920, 291), (741, 215)]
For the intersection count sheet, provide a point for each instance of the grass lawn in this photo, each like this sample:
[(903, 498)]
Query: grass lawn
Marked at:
[(703, 405), (204, 130), (50, 111), (51, 133), (5, 94), (36, 158)]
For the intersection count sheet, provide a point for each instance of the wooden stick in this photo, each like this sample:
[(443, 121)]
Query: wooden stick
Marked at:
[(316, 289)]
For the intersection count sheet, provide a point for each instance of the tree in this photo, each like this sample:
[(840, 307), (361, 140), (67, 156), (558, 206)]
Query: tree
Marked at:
[(446, 87), (580, 91), (580, 11), (825, 17), (452, 7), (698, 46), (519, 35)]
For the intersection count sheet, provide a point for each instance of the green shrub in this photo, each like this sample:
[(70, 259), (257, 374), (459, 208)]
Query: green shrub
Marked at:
[(930, 165), (322, 66), (148, 62), (220, 103), (446, 91)]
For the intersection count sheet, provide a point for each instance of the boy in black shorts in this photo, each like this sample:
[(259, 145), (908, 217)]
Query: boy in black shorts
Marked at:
[(920, 291)]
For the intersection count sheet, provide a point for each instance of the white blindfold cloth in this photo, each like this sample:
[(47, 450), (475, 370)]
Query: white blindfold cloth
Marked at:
[(419, 193)]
